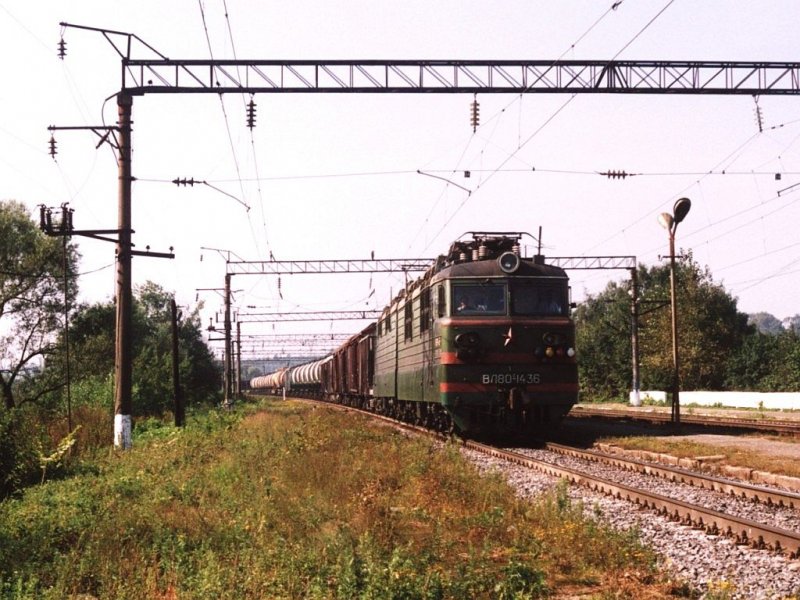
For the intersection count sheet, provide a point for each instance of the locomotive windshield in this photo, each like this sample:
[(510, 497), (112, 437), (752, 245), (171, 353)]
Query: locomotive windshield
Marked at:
[(532, 297), (528, 297), (480, 298)]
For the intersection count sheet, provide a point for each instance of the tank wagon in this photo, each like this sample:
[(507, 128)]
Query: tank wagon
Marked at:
[(273, 383), (304, 380), (482, 344)]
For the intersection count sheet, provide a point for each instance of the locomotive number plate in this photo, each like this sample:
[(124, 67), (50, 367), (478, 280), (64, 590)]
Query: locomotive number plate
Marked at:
[(511, 378)]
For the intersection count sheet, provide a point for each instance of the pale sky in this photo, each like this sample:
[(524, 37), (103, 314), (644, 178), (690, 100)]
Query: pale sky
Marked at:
[(335, 176)]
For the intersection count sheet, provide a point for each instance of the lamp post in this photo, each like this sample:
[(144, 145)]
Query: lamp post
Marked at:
[(635, 399), (670, 223)]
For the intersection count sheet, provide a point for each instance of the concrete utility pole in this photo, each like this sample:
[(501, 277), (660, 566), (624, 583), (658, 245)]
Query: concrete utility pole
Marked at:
[(177, 391), (123, 358), (635, 398), (119, 137), (228, 354), (238, 359)]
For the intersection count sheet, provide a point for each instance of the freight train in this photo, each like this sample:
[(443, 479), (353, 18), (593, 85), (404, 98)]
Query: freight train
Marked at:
[(481, 345)]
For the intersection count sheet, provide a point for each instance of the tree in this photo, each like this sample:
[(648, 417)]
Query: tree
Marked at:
[(92, 338), (749, 368), (603, 337), (200, 375), (31, 295), (792, 323), (767, 363), (766, 323), (711, 331)]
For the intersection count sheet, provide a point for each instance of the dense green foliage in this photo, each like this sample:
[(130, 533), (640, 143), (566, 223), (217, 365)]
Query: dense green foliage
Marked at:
[(297, 502), (719, 350), (33, 414), (766, 363), (31, 431), (603, 340), (31, 298), (92, 331)]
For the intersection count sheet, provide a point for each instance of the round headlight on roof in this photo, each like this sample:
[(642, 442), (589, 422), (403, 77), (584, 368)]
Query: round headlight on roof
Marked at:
[(509, 262)]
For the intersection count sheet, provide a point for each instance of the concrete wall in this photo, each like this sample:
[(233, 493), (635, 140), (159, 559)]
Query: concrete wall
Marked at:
[(768, 400)]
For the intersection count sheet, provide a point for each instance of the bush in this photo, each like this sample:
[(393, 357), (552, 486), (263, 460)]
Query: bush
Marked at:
[(21, 436)]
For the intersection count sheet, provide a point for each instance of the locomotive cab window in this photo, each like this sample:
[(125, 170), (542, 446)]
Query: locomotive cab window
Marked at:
[(425, 310), (441, 301), (487, 298), (533, 297)]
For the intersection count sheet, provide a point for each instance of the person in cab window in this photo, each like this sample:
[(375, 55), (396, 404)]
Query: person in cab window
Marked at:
[(549, 305)]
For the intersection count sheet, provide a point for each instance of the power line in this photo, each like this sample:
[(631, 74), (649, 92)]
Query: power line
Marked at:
[(751, 259), (781, 272), (613, 7), (252, 148), (222, 106), (643, 29), (547, 122)]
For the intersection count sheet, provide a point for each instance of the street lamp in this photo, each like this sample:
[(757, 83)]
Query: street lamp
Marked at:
[(670, 223)]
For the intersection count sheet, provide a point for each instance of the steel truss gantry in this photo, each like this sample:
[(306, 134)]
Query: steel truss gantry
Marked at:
[(593, 262), (302, 341), (392, 265), (319, 267), (331, 315), (166, 76), (295, 338)]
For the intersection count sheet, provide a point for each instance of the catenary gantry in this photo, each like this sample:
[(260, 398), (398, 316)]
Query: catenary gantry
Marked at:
[(460, 76)]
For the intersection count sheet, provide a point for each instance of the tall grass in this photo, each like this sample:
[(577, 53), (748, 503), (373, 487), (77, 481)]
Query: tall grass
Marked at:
[(31, 436), (292, 502)]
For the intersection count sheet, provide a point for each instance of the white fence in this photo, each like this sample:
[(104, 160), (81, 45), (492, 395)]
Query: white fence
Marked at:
[(766, 400)]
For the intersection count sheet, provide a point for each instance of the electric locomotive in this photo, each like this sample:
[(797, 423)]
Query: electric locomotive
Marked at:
[(482, 344)]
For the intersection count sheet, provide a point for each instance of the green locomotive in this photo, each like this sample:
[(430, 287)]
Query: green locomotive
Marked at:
[(482, 344)]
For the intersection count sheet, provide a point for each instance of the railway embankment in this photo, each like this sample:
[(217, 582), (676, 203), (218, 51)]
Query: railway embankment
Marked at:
[(298, 501), (716, 463), (759, 457)]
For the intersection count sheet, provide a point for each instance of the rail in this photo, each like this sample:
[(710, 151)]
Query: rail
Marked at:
[(774, 425)]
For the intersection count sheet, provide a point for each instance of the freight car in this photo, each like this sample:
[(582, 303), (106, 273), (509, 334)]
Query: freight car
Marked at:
[(482, 344), (272, 383)]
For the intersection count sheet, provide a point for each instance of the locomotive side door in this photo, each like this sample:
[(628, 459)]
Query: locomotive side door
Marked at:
[(430, 301)]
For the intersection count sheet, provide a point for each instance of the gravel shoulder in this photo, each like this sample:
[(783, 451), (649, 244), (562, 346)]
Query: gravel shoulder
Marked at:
[(714, 566), (661, 437)]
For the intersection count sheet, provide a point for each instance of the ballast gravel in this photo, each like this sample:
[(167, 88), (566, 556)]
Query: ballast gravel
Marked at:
[(689, 555)]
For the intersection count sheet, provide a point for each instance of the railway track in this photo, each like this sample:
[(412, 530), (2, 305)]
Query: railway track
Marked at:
[(785, 427), (742, 530), (755, 493)]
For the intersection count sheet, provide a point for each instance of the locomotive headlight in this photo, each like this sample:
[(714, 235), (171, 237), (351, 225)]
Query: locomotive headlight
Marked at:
[(468, 339), (509, 262), (468, 346), (571, 352)]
